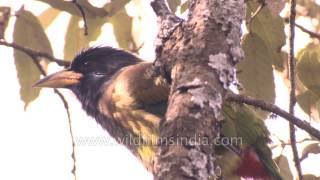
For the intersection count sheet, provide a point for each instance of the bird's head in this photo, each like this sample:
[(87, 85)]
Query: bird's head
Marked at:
[(89, 73), (89, 69)]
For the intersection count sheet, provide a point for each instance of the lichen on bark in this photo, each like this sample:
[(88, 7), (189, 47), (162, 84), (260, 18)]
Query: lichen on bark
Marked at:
[(199, 56)]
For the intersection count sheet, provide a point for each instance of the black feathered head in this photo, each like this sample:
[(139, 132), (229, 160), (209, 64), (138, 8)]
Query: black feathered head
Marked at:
[(99, 61), (89, 71), (90, 64)]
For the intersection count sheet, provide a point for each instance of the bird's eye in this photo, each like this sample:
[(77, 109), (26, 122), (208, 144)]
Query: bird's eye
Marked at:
[(100, 74)]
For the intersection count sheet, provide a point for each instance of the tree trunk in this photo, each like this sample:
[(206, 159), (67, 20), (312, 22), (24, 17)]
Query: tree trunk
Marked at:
[(199, 57)]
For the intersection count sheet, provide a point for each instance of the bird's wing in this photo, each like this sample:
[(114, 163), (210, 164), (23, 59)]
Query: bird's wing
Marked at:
[(253, 132), (137, 102)]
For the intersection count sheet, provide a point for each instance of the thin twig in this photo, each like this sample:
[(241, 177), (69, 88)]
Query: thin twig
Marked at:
[(66, 106), (276, 110), (305, 30), (292, 77), (311, 33), (35, 59), (34, 53), (83, 14), (283, 143)]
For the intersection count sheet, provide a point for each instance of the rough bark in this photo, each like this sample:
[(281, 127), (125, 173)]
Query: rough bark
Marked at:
[(199, 56)]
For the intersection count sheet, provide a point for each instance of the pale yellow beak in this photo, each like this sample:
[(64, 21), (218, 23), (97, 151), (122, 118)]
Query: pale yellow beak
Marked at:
[(61, 79)]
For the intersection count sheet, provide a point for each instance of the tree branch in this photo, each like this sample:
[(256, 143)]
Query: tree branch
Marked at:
[(66, 106), (167, 22), (199, 56), (90, 10), (34, 53), (305, 30), (292, 77), (311, 33), (274, 109), (160, 8), (83, 16)]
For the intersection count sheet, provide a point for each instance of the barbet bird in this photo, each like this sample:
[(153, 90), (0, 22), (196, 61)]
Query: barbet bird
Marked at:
[(119, 91)]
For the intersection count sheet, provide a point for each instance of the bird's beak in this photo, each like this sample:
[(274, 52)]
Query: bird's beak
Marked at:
[(61, 79)]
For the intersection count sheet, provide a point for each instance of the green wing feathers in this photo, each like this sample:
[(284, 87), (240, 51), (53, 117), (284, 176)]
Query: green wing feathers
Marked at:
[(241, 121)]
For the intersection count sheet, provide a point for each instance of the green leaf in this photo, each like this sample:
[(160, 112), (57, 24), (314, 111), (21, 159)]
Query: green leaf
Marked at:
[(309, 103), (173, 4), (313, 148), (68, 6), (306, 100), (28, 32), (255, 71), (48, 16), (283, 164), (75, 40), (281, 64), (270, 28), (309, 47), (184, 7), (122, 27), (276, 6), (4, 19), (308, 70), (310, 177), (312, 8), (94, 27), (114, 6)]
